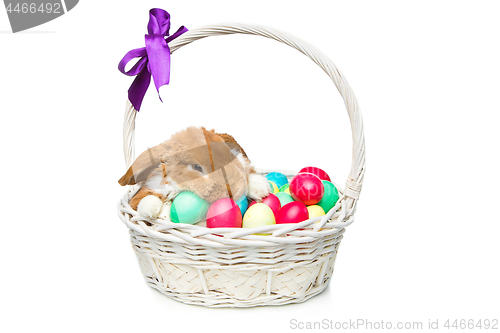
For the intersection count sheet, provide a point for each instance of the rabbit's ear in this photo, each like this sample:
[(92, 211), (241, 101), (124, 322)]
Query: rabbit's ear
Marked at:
[(143, 165), (232, 143)]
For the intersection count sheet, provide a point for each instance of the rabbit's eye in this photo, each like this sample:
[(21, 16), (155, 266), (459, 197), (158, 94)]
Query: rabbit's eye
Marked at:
[(197, 167)]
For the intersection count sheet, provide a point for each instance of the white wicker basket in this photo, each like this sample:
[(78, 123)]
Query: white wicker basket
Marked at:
[(224, 267)]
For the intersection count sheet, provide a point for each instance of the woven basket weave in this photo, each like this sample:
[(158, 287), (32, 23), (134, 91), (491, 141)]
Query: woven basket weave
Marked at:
[(227, 267)]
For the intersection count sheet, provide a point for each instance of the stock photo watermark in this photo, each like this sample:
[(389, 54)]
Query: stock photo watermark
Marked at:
[(24, 15), (365, 324)]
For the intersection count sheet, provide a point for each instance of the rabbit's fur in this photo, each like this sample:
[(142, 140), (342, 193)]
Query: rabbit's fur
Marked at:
[(211, 165)]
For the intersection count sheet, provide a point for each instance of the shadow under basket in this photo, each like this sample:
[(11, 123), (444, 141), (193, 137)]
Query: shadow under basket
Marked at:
[(235, 267)]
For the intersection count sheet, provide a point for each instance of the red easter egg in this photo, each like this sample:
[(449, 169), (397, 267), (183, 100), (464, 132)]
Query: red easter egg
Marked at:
[(272, 201), (224, 213), (307, 188), (316, 171), (292, 212)]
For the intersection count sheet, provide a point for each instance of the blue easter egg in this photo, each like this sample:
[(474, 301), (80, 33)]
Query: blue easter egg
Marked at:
[(242, 203), (278, 178)]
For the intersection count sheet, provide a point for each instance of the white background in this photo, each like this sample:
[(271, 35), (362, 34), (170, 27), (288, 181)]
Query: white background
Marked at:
[(424, 245)]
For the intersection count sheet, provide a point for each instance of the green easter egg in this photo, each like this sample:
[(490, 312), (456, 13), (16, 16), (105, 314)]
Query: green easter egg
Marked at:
[(330, 197), (284, 198), (188, 208), (284, 188)]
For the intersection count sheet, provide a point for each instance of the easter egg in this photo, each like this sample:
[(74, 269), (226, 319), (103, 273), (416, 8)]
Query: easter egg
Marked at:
[(330, 197), (285, 188), (307, 188), (274, 187), (258, 215), (278, 178), (242, 203), (316, 171), (272, 201), (224, 213), (315, 211), (189, 208), (292, 212), (284, 198)]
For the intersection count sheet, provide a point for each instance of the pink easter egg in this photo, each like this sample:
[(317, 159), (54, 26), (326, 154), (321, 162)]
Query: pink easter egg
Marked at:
[(292, 212), (272, 201), (316, 171), (224, 213), (307, 188)]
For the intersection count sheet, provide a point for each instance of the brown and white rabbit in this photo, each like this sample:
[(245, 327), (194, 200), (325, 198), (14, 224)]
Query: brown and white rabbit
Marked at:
[(211, 165)]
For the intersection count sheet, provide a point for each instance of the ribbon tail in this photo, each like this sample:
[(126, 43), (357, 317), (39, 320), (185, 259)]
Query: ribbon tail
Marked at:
[(159, 60), (138, 88), (179, 32)]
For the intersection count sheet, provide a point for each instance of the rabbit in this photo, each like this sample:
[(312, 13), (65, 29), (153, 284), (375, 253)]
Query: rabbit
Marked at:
[(209, 164)]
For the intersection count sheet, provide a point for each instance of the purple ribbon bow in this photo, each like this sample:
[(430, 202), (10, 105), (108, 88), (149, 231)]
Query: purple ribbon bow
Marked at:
[(154, 58)]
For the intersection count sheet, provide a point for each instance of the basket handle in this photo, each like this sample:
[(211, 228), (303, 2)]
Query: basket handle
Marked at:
[(356, 175)]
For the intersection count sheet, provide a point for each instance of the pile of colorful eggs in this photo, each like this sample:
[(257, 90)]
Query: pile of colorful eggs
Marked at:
[(309, 194)]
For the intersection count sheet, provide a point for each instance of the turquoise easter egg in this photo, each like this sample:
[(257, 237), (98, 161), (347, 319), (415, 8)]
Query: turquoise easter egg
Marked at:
[(284, 198), (330, 197), (242, 203), (188, 208), (278, 178)]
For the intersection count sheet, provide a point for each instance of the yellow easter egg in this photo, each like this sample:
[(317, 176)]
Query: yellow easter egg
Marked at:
[(274, 187), (315, 211), (258, 215)]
